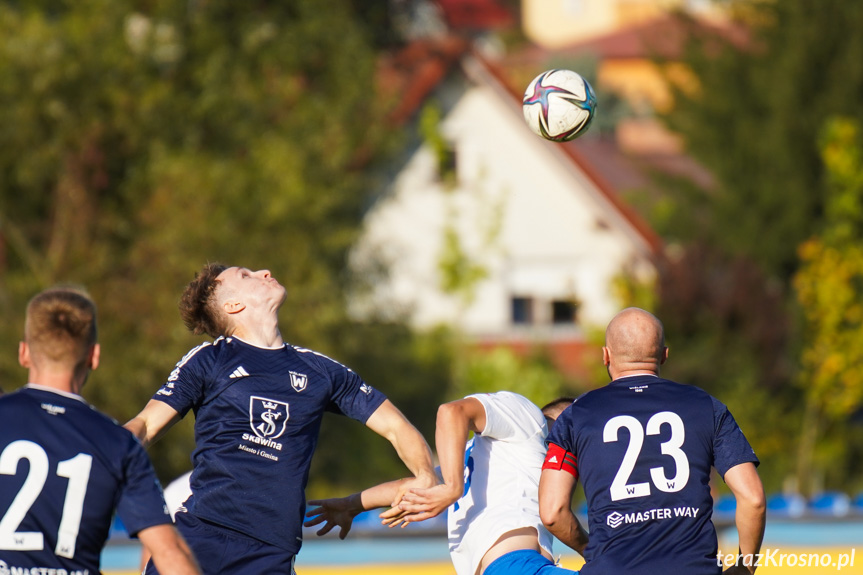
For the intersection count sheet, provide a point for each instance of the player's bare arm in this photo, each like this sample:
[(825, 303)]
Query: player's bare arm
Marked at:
[(555, 496), (750, 517), (455, 420), (154, 420), (411, 447), (169, 550), (390, 423), (340, 511)]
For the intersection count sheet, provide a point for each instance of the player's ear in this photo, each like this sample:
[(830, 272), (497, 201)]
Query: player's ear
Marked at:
[(233, 306), (93, 359), (24, 354), (664, 357), (606, 356)]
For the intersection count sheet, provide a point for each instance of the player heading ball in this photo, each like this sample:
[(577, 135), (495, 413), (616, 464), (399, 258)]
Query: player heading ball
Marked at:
[(258, 404)]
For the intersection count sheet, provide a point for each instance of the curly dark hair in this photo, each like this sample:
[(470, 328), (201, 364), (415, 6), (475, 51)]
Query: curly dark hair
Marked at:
[(197, 305)]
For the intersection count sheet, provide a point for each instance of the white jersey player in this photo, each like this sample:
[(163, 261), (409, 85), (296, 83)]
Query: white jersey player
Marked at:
[(498, 511), (490, 487)]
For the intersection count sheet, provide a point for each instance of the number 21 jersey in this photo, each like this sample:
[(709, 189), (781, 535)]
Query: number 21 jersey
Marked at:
[(64, 469), (643, 448)]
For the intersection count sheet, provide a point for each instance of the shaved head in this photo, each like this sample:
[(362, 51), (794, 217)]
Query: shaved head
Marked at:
[(635, 340)]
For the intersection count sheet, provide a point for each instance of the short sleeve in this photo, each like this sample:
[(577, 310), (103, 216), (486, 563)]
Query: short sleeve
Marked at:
[(141, 504), (730, 446), (510, 417), (184, 388), (351, 396)]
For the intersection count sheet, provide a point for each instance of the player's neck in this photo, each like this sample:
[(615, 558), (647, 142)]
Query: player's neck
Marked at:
[(615, 374), (260, 335), (61, 381)]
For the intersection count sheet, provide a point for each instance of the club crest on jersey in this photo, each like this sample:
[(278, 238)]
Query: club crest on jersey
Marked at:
[(267, 417), (299, 380)]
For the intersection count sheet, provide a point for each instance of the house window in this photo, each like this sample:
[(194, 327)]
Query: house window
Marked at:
[(447, 165), (522, 310), (562, 312)]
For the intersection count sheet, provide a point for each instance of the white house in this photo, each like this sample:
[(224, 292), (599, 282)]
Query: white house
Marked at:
[(537, 233)]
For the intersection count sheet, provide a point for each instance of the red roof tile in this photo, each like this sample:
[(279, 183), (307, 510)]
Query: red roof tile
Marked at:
[(663, 37), (475, 14)]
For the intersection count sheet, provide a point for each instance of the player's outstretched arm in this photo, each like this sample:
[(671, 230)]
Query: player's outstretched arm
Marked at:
[(340, 511), (154, 420), (750, 517), (455, 420), (555, 509), (171, 555), (387, 421)]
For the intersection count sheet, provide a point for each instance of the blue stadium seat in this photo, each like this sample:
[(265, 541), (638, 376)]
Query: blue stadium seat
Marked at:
[(117, 530), (786, 505), (857, 504), (830, 503), (724, 507), (367, 521)]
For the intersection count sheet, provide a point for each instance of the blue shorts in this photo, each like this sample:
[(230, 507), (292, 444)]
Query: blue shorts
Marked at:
[(525, 562), (221, 551)]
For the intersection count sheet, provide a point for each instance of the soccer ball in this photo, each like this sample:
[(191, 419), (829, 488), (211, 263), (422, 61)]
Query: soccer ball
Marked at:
[(559, 105)]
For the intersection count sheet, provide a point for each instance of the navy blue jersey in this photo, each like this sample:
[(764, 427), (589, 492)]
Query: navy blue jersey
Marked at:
[(644, 448), (258, 412), (64, 469)]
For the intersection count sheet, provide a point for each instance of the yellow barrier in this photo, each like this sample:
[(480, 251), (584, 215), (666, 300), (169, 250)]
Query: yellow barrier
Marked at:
[(437, 568), (440, 568), (784, 561)]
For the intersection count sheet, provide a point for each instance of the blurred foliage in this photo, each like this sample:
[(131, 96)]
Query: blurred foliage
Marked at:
[(728, 331), (630, 290), (753, 117), (532, 375), (142, 139), (829, 287), (414, 370)]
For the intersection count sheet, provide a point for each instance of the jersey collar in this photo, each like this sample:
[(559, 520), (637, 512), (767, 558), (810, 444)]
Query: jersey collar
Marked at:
[(68, 394)]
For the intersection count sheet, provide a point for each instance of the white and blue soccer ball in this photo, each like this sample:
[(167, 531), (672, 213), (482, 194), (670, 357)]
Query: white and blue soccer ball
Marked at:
[(559, 105)]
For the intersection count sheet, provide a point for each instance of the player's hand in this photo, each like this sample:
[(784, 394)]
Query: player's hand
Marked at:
[(424, 504), (414, 483), (395, 516), (334, 512)]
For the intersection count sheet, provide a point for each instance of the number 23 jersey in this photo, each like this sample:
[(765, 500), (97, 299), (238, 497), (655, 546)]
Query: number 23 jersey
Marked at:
[(643, 448), (258, 413)]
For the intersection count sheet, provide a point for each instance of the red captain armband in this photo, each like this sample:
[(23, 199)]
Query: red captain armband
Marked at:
[(559, 459)]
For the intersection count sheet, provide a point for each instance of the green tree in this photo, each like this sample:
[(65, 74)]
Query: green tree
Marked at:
[(728, 332), (828, 287), (142, 139), (751, 113), (532, 375), (752, 117)]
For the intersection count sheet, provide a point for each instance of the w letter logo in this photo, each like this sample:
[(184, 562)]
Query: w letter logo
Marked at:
[(299, 381)]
